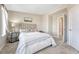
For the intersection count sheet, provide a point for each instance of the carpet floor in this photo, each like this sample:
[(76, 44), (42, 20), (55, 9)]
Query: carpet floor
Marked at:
[(61, 48)]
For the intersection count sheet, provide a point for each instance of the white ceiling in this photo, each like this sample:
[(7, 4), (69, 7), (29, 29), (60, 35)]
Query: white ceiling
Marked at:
[(33, 8)]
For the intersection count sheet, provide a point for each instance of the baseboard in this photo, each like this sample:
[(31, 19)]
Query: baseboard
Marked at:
[(73, 45), (77, 48)]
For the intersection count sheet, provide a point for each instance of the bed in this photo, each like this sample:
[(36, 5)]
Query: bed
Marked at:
[(31, 42)]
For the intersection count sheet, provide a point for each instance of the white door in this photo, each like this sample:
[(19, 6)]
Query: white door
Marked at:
[(73, 27)]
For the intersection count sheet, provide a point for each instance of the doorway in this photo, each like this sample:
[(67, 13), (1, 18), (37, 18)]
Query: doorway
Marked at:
[(61, 31), (62, 27)]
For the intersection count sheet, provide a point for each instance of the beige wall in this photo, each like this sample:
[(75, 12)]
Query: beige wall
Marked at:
[(50, 25), (44, 23), (19, 17)]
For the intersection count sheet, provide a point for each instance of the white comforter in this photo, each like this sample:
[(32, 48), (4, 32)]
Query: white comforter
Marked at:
[(27, 39)]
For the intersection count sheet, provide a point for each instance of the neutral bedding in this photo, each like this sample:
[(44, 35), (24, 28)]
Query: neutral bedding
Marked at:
[(33, 41)]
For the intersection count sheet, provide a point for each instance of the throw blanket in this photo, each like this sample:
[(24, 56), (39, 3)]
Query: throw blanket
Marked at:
[(26, 39)]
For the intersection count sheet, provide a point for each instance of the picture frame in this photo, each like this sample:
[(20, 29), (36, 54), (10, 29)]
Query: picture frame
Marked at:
[(27, 19)]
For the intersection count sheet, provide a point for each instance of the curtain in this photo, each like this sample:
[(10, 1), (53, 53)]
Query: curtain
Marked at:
[(4, 20)]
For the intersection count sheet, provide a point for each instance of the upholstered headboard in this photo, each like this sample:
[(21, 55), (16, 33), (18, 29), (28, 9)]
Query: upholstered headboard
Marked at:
[(23, 27)]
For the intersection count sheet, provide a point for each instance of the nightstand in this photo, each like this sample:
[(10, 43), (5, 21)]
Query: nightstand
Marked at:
[(13, 37)]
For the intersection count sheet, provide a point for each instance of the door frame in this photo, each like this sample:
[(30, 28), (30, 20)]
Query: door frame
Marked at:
[(64, 39)]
